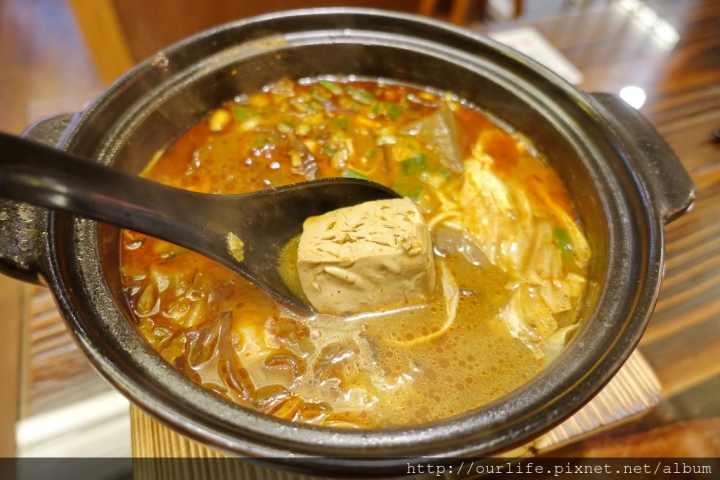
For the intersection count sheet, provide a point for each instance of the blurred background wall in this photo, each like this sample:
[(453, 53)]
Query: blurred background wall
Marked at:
[(121, 33)]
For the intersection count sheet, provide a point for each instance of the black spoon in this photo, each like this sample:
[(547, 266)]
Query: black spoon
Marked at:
[(264, 221)]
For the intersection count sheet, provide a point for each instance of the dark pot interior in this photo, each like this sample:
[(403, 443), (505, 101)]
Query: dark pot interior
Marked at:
[(156, 102)]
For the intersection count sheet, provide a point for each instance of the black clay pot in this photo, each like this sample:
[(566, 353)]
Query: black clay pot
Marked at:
[(626, 182)]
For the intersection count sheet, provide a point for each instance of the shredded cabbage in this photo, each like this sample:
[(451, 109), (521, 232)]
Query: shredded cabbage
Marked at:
[(518, 237)]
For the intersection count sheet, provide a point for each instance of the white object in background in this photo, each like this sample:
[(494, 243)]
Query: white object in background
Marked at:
[(96, 427), (505, 8), (530, 42), (635, 96)]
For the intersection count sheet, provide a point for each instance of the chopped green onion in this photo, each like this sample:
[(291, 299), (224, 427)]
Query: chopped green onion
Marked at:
[(328, 150), (360, 95), (299, 105), (342, 122), (350, 173), (285, 126), (331, 87), (320, 95), (244, 113), (393, 112), (414, 165), (413, 192), (310, 106), (444, 173), (563, 241), (348, 103), (260, 141)]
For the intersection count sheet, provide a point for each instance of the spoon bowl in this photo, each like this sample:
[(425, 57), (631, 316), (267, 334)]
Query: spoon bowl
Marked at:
[(244, 232)]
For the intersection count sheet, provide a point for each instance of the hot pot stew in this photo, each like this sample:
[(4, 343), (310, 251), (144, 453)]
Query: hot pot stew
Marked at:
[(510, 259)]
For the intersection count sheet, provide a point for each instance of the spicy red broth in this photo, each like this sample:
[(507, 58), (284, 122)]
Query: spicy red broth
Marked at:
[(510, 259)]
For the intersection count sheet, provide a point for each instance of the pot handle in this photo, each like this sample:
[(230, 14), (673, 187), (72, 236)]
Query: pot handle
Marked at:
[(19, 221), (647, 152)]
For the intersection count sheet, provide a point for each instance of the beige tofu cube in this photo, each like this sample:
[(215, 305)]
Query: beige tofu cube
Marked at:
[(367, 256)]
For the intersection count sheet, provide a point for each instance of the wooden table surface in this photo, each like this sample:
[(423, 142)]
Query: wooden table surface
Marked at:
[(613, 48)]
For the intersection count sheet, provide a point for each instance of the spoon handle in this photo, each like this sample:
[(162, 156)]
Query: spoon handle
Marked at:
[(265, 220), (48, 177)]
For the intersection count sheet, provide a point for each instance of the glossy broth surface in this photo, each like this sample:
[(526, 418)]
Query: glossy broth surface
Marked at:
[(497, 318)]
